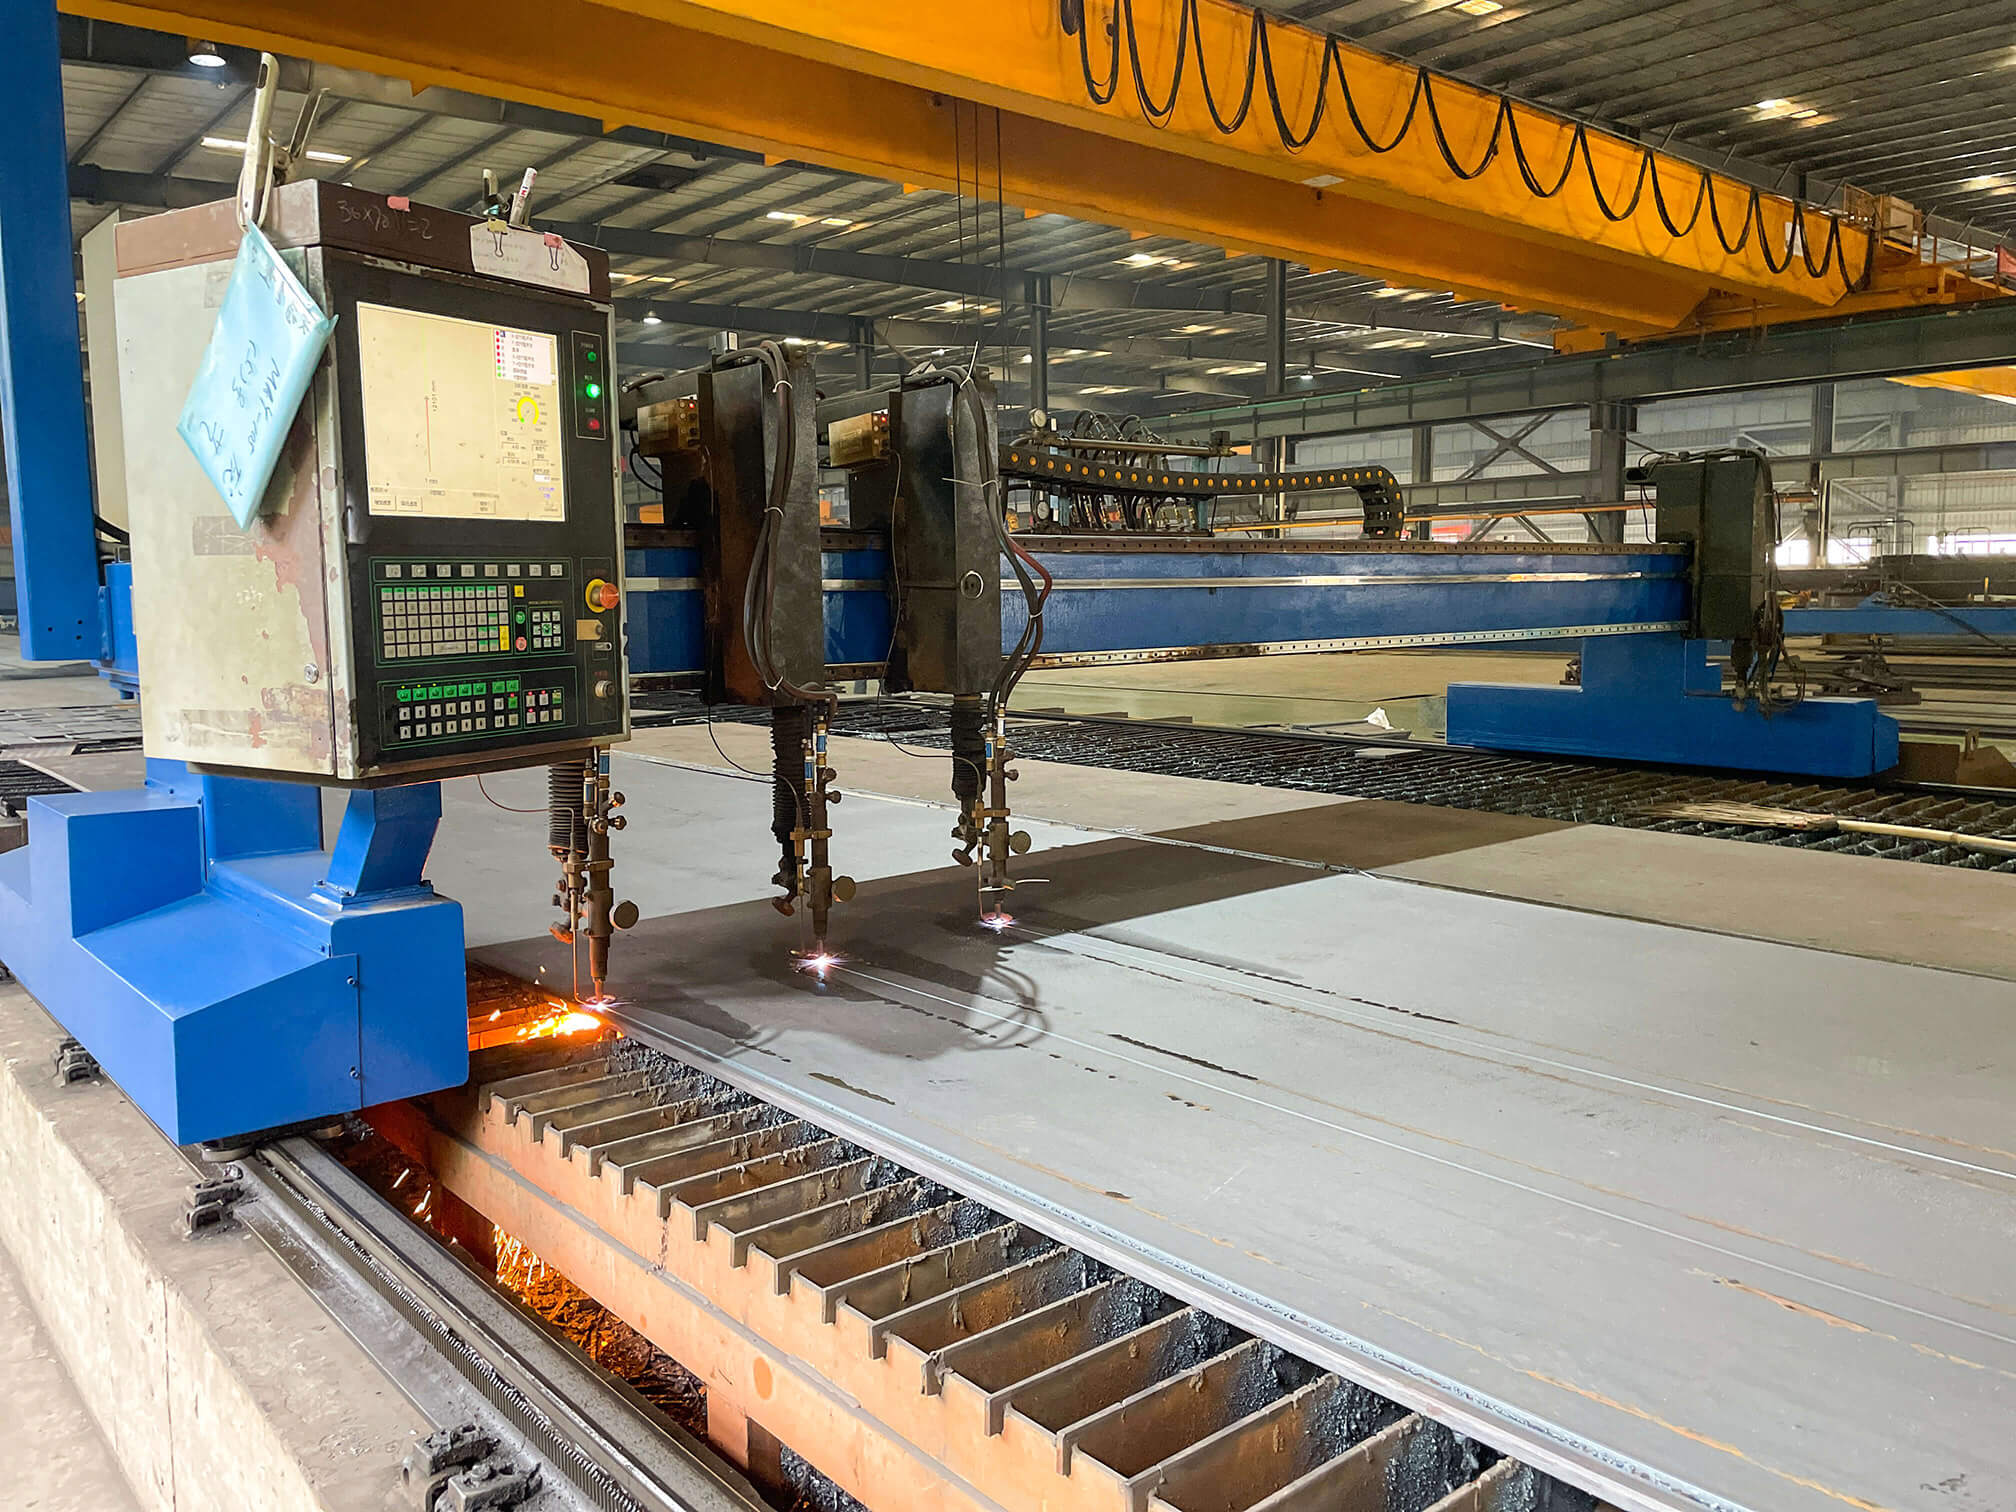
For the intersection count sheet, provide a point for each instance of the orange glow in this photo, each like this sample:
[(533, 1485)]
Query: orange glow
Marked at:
[(559, 1023)]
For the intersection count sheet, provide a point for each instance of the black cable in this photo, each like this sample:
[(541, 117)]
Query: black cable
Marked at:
[(1259, 65), (656, 477)]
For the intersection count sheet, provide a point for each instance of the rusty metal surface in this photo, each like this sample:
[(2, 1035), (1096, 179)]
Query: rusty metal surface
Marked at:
[(1722, 1221), (988, 1355)]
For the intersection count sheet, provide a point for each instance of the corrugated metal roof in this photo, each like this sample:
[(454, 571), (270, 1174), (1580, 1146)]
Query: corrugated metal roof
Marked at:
[(1907, 98)]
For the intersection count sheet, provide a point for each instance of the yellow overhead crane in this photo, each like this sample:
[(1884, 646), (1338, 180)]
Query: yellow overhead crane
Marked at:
[(1199, 119)]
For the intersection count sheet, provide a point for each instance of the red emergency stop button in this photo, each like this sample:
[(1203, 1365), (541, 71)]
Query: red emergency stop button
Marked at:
[(601, 595)]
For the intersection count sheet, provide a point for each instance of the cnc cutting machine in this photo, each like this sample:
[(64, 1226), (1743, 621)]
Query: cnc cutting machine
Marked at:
[(430, 588)]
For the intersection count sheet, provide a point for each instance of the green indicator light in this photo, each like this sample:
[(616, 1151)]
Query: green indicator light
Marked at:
[(405, 695), (591, 355), (594, 391)]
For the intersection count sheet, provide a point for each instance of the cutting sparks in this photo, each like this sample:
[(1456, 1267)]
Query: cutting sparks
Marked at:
[(997, 920), (818, 964), (560, 1023)]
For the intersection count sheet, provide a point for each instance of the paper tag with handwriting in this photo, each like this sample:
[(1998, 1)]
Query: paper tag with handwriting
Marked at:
[(524, 256), (269, 335)]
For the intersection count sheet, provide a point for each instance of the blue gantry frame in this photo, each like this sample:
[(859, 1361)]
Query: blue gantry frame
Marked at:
[(228, 972), (1647, 693)]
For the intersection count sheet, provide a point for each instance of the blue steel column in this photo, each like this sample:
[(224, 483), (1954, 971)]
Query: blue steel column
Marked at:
[(41, 372)]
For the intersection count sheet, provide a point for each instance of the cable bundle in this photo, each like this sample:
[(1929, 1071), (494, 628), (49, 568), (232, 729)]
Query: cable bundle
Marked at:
[(1259, 69)]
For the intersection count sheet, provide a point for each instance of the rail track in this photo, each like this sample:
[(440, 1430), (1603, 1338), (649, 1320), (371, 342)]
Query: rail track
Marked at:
[(1583, 792)]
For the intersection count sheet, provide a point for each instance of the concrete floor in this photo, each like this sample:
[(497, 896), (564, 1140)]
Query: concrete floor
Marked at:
[(52, 1458)]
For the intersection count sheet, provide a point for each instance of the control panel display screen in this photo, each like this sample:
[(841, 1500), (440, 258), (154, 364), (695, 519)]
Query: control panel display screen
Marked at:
[(462, 419)]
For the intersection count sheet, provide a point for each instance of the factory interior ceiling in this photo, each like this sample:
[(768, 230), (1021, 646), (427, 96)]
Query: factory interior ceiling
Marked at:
[(1797, 98)]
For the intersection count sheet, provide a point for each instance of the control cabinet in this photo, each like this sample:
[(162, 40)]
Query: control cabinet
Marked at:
[(433, 584)]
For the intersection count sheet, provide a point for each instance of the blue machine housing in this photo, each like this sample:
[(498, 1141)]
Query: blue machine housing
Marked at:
[(1874, 616), (1355, 596), (225, 970), (1647, 692), (1659, 698)]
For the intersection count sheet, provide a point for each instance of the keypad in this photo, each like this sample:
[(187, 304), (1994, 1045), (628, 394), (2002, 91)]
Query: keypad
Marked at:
[(545, 627), (459, 619), (486, 706)]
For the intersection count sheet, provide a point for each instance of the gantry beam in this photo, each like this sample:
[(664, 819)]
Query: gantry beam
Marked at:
[(1023, 59), (818, 99)]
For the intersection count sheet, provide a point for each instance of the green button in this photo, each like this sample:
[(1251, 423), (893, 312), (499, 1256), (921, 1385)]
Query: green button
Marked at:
[(512, 685), (405, 695)]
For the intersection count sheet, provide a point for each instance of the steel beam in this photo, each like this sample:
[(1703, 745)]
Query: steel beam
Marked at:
[(1034, 68), (1092, 165), (1871, 346), (42, 427), (107, 44), (1070, 292), (840, 326)]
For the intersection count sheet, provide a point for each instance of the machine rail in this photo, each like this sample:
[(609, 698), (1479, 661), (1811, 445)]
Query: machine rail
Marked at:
[(610, 1450), (1580, 792)]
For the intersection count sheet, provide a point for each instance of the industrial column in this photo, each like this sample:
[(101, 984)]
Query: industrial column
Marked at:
[(41, 370), (1609, 437), (1039, 343), (1423, 471), (1813, 512), (864, 355), (1270, 454)]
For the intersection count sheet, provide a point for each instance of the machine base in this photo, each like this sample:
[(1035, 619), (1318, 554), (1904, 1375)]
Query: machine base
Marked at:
[(227, 972), (1657, 698)]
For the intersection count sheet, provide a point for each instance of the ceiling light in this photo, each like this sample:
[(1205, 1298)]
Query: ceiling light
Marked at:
[(1192, 330), (205, 54), (651, 318), (1478, 7), (1236, 369), (1389, 292), (1140, 260), (786, 215), (1772, 107), (1986, 181), (835, 220), (1329, 180)]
